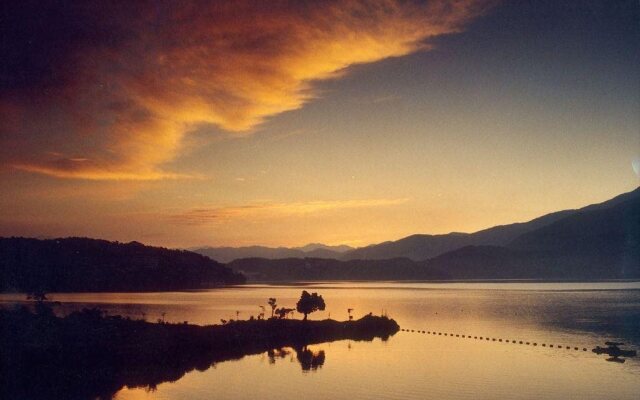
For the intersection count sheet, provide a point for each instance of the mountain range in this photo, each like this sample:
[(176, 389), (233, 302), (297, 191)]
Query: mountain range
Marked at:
[(317, 250), (600, 241), (418, 247)]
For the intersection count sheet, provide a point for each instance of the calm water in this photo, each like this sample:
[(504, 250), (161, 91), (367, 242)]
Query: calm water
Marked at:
[(413, 365)]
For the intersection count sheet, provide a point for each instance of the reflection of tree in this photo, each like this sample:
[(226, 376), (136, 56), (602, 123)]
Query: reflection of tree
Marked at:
[(309, 360), (274, 354)]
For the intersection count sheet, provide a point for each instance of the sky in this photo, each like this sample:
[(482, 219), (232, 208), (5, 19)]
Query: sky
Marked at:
[(281, 123)]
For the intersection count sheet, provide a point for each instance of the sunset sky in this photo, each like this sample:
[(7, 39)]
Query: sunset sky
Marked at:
[(191, 123)]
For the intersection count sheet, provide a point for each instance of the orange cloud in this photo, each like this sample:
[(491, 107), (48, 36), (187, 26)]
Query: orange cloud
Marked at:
[(127, 91), (277, 210)]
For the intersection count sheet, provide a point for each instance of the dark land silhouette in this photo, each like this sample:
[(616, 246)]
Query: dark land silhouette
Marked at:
[(422, 247), (88, 355), (90, 265), (601, 241)]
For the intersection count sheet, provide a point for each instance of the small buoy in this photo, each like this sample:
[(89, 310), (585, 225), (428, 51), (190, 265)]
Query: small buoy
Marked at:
[(499, 340), (480, 337), (527, 343), (544, 345), (575, 348), (521, 342), (568, 347), (463, 336), (584, 349), (457, 335), (550, 345), (535, 344), (494, 339)]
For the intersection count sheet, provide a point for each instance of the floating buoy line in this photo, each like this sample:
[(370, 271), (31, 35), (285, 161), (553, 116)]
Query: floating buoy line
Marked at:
[(493, 339)]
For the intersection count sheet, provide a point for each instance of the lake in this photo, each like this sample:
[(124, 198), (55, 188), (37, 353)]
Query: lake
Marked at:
[(410, 365)]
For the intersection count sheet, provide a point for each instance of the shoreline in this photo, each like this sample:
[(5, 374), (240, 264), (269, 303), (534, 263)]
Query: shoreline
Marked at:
[(267, 283), (87, 355)]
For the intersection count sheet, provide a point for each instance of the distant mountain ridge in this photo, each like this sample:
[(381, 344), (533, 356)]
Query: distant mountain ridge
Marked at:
[(417, 247), (421, 247), (600, 241), (317, 250)]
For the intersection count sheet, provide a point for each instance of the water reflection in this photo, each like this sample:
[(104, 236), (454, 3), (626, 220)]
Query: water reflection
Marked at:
[(409, 365), (309, 359), (37, 376)]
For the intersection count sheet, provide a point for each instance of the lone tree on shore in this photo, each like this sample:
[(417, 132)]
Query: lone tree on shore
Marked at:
[(309, 303), (272, 303)]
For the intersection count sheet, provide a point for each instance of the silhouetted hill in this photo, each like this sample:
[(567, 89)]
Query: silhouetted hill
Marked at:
[(81, 264), (227, 254), (415, 247), (319, 246), (422, 247), (88, 355), (594, 243), (600, 241), (309, 269)]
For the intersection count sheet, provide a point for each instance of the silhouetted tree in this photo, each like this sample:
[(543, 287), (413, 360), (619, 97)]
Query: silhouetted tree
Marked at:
[(38, 296), (283, 312), (42, 307), (309, 303), (272, 303)]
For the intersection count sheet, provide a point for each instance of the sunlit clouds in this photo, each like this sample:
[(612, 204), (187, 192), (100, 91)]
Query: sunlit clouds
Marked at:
[(270, 210), (189, 123), (122, 84)]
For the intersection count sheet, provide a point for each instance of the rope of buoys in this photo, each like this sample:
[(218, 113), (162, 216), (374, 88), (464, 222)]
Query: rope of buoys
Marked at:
[(514, 341)]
